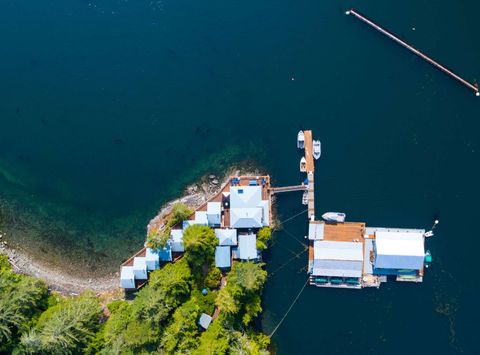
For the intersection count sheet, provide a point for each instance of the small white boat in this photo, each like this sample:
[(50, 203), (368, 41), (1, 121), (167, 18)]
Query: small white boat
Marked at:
[(300, 140), (338, 217), (428, 234), (303, 165), (317, 149), (305, 198)]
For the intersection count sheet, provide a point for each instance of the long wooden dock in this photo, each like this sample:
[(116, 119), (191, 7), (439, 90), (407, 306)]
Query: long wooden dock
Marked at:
[(413, 50), (310, 173)]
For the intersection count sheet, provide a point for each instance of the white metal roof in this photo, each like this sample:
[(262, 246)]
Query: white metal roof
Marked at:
[(247, 247), (222, 256), (245, 196), (126, 273), (177, 240), (205, 321), (329, 250), (226, 236), (315, 230), (265, 205), (399, 250), (201, 217), (246, 217), (214, 207), (400, 243), (139, 263)]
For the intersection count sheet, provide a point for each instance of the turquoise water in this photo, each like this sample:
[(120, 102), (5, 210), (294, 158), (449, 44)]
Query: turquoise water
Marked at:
[(109, 108)]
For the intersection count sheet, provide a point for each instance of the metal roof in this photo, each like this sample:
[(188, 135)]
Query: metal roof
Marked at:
[(201, 218), (214, 207), (222, 256), (247, 247), (205, 321), (339, 268), (399, 250), (246, 217), (245, 196), (177, 240), (337, 250), (226, 236), (316, 230), (400, 243), (127, 278), (265, 205)]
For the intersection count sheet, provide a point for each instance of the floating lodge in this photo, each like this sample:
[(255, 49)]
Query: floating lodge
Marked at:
[(340, 254)]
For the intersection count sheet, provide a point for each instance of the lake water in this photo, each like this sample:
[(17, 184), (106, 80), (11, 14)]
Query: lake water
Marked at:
[(109, 108)]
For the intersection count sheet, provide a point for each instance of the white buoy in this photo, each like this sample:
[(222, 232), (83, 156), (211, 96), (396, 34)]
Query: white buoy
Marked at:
[(347, 12), (477, 93)]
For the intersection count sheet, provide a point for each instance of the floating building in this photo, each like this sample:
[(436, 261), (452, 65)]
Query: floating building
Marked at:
[(350, 254)]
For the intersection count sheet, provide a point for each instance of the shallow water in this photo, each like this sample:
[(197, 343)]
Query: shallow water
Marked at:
[(110, 107)]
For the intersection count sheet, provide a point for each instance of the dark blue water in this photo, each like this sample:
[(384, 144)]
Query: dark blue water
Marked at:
[(108, 108)]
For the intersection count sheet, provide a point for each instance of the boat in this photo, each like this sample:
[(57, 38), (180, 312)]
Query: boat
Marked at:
[(428, 234), (300, 140), (305, 198), (338, 217), (303, 165), (317, 149), (428, 258)]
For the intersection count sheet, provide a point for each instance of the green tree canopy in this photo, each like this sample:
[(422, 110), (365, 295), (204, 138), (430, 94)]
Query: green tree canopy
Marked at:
[(200, 242), (22, 298), (263, 236), (65, 328), (180, 212)]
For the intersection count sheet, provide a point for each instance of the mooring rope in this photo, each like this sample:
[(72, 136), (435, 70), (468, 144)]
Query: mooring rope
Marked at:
[(289, 309), (289, 219), (296, 256)]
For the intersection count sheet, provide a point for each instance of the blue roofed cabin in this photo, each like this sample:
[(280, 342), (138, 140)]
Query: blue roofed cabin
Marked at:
[(399, 252)]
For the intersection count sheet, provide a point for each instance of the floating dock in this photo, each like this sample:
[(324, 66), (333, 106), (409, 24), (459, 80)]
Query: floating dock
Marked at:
[(352, 255), (390, 35)]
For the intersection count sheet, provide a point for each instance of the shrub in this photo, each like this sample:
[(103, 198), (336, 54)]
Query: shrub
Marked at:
[(263, 236)]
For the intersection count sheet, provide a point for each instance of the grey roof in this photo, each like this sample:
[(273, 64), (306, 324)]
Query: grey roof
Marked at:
[(337, 250), (246, 217), (247, 247), (127, 278), (340, 268), (226, 236), (367, 265), (177, 240), (245, 196), (205, 321), (342, 259), (222, 257)]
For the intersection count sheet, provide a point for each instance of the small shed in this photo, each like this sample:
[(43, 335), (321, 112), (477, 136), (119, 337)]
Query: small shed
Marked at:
[(140, 268), (247, 247), (226, 236), (214, 213), (205, 321), (177, 241), (222, 257), (152, 259), (127, 278)]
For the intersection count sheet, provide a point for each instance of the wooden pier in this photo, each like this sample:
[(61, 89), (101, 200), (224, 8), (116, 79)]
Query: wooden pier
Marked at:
[(276, 190), (310, 173), (390, 35)]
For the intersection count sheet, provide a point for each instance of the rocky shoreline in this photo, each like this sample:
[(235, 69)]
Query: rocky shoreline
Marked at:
[(65, 283)]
